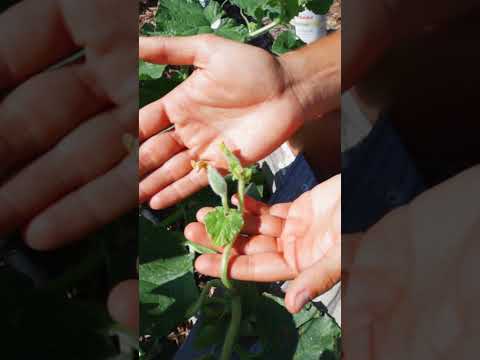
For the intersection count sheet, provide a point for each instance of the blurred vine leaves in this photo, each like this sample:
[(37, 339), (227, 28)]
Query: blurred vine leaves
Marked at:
[(167, 284)]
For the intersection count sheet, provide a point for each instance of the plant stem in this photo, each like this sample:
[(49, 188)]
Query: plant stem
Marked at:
[(233, 328), (224, 266), (226, 208), (245, 19), (195, 308), (241, 196), (264, 29)]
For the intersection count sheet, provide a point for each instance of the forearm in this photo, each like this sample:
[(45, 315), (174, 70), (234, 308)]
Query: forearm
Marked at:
[(314, 74)]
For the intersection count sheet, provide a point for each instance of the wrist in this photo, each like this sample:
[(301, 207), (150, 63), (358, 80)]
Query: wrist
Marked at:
[(313, 76)]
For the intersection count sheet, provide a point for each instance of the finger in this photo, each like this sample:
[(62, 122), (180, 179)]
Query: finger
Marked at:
[(96, 204), (254, 225), (88, 152), (202, 213), (252, 206), (181, 50), (293, 231), (264, 224), (263, 267), (180, 190), (20, 57), (123, 304), (170, 172), (280, 210), (154, 152), (32, 120), (312, 282), (153, 118), (196, 233)]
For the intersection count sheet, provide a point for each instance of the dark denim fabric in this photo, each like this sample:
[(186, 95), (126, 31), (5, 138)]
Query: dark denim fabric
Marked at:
[(293, 181), (378, 175)]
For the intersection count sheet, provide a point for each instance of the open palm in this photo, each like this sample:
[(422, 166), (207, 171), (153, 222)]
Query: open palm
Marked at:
[(299, 241), (239, 95)]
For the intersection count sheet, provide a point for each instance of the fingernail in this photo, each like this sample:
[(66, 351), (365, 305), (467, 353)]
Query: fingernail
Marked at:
[(37, 235), (155, 203), (302, 298)]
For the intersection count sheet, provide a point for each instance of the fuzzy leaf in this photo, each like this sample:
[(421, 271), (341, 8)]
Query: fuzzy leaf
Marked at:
[(217, 182), (223, 227), (235, 166)]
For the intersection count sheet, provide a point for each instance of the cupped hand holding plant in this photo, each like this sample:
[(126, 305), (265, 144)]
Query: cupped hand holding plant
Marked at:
[(298, 241), (238, 94)]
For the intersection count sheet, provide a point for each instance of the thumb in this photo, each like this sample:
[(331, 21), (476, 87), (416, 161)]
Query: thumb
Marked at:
[(313, 281)]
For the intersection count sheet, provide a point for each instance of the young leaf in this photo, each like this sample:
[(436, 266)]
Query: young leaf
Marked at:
[(217, 182), (223, 226), (235, 166)]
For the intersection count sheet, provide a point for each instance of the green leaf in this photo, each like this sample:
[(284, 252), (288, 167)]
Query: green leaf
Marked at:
[(217, 182), (308, 335), (235, 166), (230, 30), (250, 7), (179, 17), (291, 9), (320, 338), (320, 7), (276, 329), (167, 285), (184, 17), (223, 227), (285, 42), (148, 71)]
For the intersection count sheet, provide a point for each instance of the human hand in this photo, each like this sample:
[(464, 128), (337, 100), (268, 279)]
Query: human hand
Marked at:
[(299, 241), (239, 94), (62, 160), (410, 287)]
